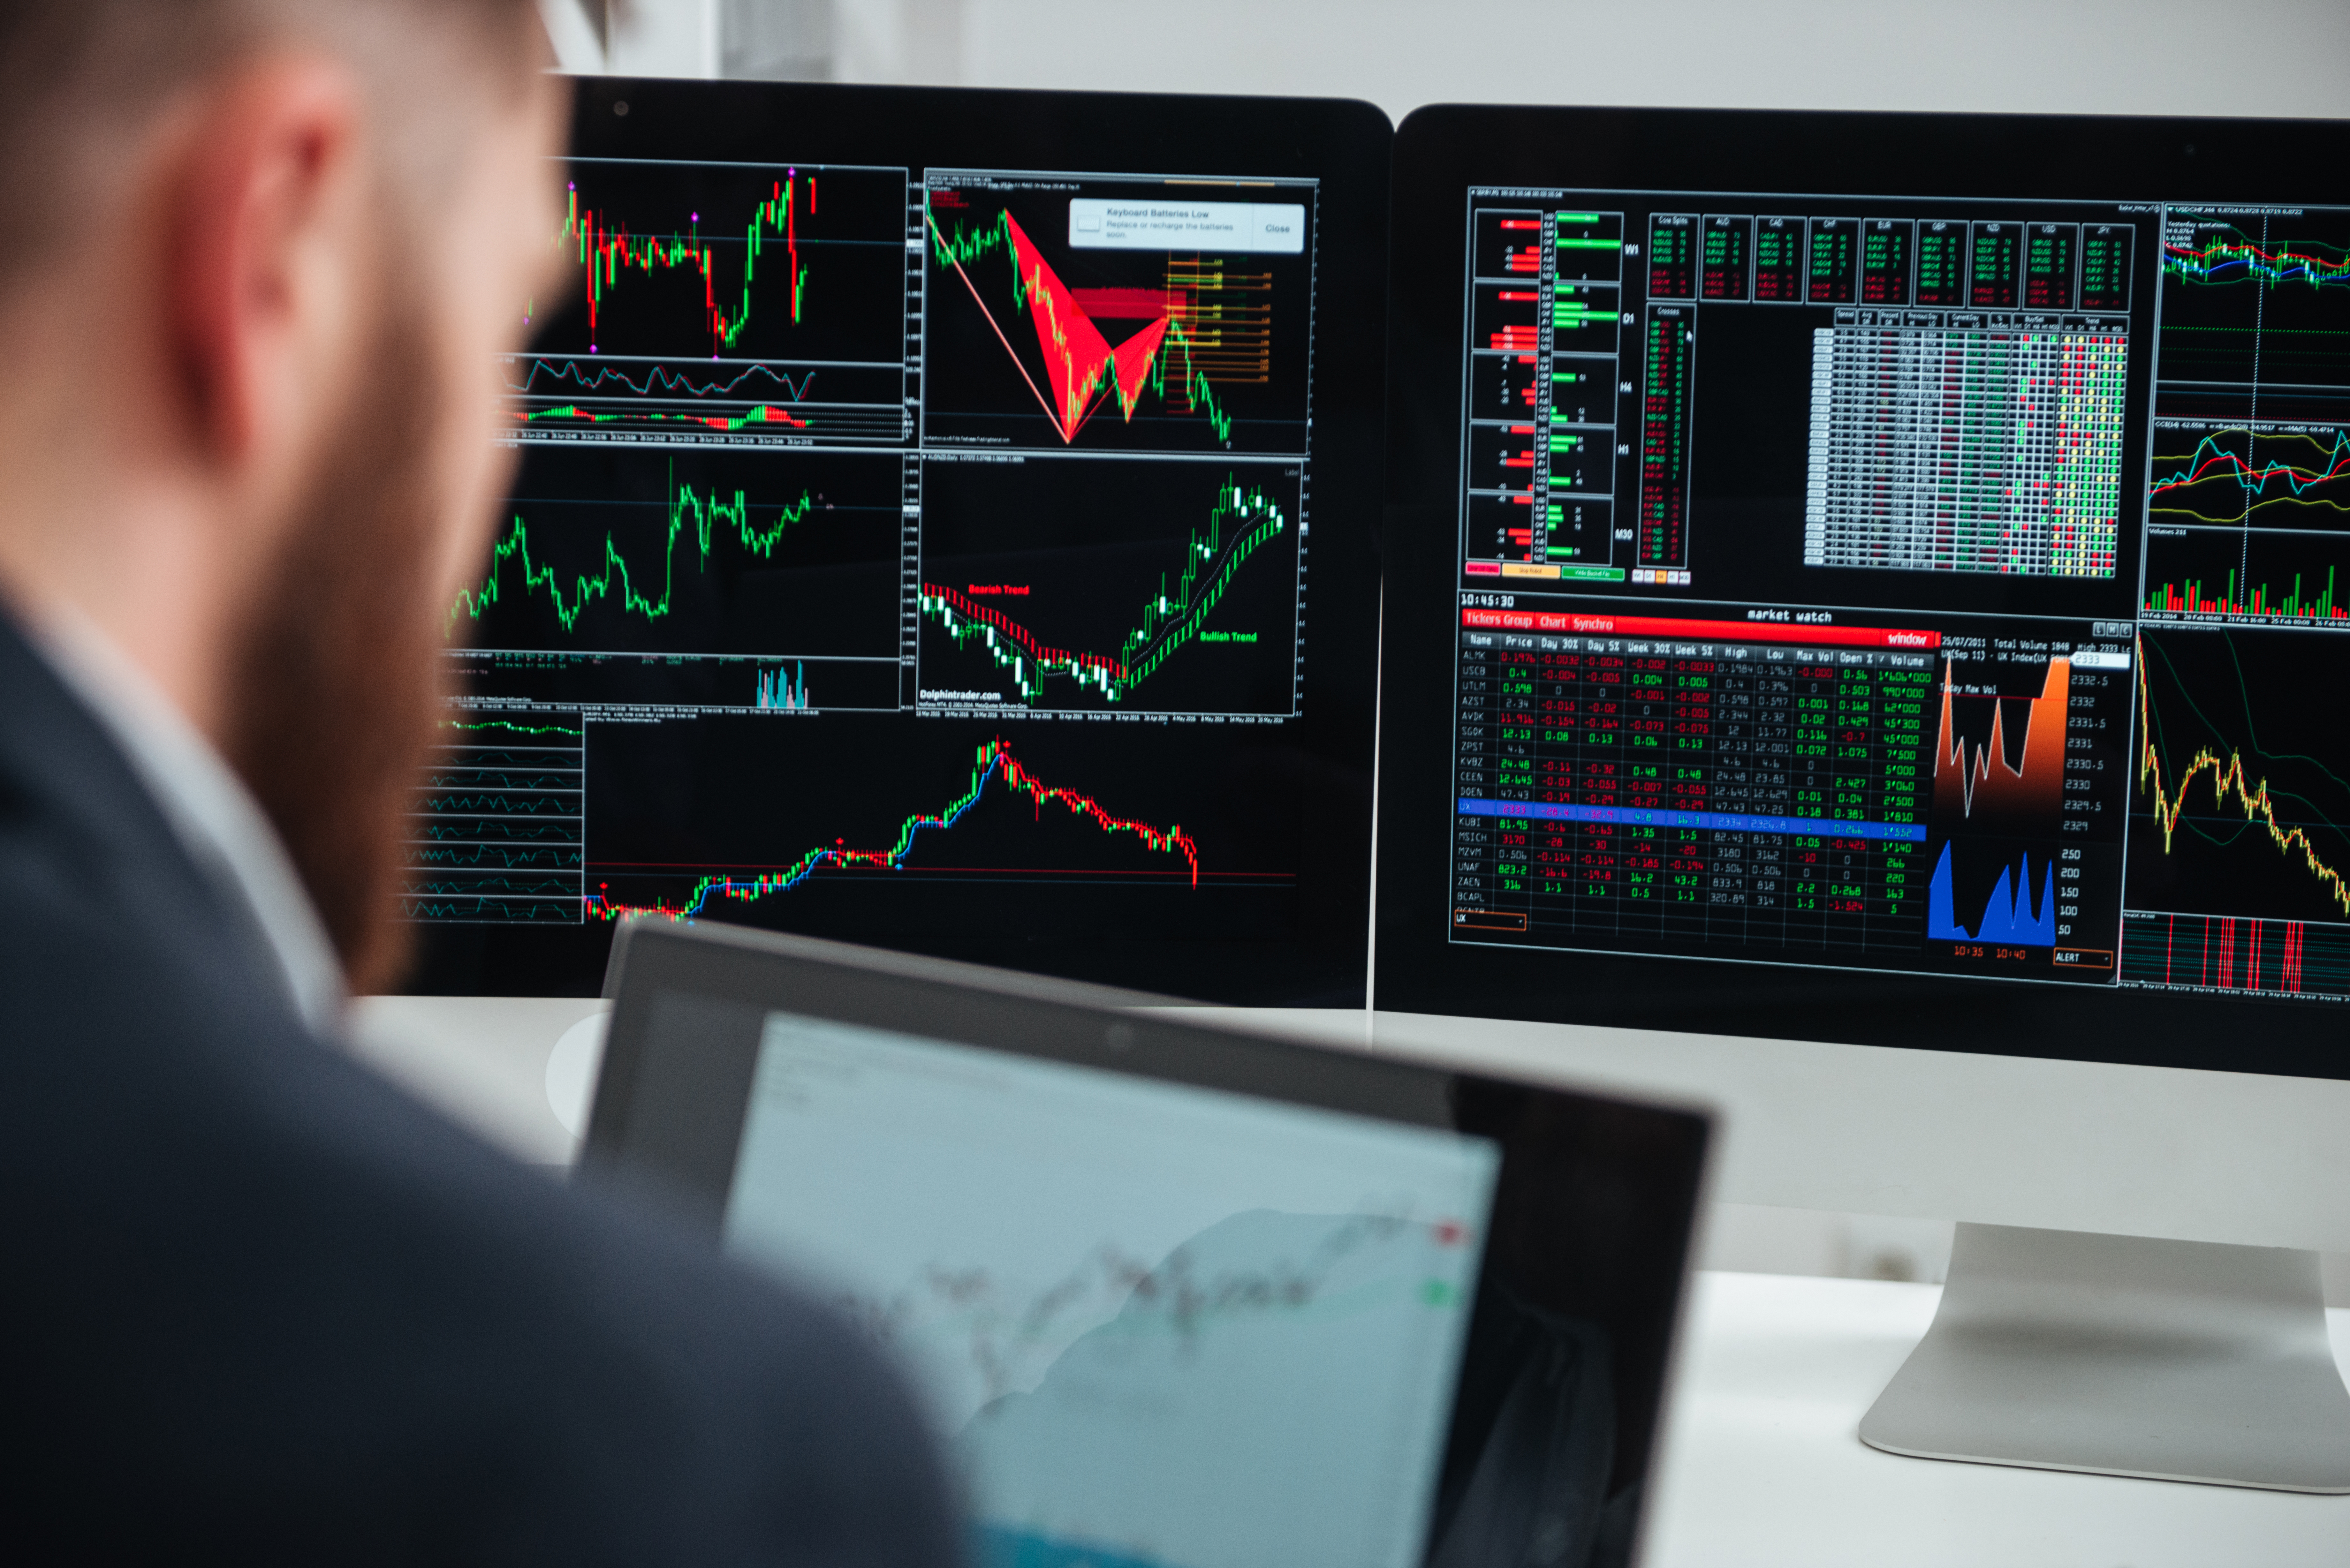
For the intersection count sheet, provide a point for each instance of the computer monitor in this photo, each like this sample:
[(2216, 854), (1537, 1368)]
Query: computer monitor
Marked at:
[(1871, 581), (941, 519), (1172, 1294)]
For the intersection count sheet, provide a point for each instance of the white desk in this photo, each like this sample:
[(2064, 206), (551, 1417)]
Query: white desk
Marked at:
[(1761, 1465)]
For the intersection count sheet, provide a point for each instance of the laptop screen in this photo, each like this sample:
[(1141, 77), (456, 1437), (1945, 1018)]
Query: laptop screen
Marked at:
[(1153, 1323)]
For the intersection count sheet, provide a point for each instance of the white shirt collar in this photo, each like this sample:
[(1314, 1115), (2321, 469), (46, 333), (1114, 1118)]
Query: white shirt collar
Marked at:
[(214, 815)]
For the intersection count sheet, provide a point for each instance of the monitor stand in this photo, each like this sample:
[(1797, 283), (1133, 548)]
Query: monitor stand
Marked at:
[(2065, 1350)]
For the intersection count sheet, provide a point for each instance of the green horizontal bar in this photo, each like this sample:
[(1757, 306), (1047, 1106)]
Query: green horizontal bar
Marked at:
[(1573, 242), (1572, 314), (1567, 377), (1577, 217)]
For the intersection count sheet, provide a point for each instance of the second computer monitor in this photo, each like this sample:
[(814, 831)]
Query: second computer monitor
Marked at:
[(1872, 578)]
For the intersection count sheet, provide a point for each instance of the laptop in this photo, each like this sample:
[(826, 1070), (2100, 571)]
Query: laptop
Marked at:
[(1170, 1294)]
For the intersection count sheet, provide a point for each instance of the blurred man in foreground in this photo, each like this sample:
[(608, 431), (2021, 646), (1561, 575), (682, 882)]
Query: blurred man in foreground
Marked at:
[(256, 259)]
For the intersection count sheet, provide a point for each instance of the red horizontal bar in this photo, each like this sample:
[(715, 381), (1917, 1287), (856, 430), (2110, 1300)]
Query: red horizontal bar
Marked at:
[(1711, 630)]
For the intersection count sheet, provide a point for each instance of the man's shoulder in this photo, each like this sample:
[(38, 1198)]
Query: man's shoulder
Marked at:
[(233, 1230)]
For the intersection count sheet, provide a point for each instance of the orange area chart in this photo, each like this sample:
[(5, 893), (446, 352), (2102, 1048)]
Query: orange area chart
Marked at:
[(1977, 783)]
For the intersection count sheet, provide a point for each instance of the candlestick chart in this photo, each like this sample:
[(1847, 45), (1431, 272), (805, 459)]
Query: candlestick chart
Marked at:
[(735, 301), (740, 553), (2223, 254), (1037, 343), (2240, 799), (993, 763), (607, 253), (2256, 315), (1079, 584), (1089, 849), (743, 262)]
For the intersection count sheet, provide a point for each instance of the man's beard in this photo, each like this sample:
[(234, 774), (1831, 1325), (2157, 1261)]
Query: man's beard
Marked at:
[(336, 684)]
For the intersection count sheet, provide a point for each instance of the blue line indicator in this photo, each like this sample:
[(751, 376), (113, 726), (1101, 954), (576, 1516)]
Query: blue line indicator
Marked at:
[(1723, 821)]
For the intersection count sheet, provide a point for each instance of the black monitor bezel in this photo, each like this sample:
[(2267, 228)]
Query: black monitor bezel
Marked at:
[(1444, 150), (1326, 754), (1622, 1179)]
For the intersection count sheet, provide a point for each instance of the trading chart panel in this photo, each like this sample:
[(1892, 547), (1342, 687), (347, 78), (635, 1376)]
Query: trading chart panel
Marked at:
[(912, 553), (1924, 585)]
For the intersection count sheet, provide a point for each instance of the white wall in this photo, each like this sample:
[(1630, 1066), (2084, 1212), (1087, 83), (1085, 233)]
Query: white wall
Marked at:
[(2255, 56), (2099, 56)]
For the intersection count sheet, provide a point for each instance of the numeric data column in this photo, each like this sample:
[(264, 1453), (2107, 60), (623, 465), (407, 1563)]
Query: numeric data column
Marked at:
[(1905, 773), (1477, 899), (1513, 769), (1770, 775), (1550, 826), (1852, 786)]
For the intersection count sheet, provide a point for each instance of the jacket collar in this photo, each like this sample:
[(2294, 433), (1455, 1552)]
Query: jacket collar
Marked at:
[(83, 795)]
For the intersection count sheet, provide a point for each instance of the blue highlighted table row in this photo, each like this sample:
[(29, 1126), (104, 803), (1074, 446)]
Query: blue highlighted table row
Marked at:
[(1724, 820)]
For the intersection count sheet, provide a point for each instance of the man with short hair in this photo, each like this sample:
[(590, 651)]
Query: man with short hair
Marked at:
[(256, 258)]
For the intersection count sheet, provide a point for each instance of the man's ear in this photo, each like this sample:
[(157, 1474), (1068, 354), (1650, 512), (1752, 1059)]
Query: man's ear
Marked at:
[(250, 214)]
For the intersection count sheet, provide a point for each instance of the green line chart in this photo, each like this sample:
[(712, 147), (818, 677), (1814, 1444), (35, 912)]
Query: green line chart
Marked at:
[(744, 553), (688, 511)]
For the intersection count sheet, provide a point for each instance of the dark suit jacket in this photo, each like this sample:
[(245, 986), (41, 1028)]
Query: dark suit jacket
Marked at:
[(260, 1305)]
